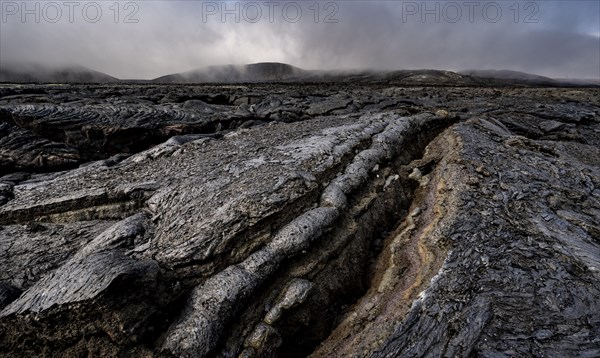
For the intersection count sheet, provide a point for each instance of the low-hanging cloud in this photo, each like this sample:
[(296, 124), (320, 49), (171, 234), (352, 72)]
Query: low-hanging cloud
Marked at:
[(147, 39)]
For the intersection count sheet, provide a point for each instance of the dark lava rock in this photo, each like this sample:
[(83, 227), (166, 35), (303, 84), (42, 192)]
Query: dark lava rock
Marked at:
[(376, 222), (8, 294)]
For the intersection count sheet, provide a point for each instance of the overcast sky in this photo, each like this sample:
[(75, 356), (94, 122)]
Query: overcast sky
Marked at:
[(153, 38)]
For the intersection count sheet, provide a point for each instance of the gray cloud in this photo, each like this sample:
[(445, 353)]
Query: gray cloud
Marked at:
[(171, 36)]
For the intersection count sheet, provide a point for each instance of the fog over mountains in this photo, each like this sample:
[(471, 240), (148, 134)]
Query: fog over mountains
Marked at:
[(258, 72), (554, 39), (39, 73), (281, 72)]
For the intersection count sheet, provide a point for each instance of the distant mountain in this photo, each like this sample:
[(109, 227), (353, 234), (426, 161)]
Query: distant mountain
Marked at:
[(281, 72), (258, 72), (401, 77), (27, 73), (509, 77)]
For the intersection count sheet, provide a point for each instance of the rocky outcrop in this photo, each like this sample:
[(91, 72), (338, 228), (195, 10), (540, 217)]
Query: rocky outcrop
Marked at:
[(388, 222)]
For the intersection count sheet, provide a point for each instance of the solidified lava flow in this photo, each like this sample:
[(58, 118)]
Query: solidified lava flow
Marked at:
[(299, 219)]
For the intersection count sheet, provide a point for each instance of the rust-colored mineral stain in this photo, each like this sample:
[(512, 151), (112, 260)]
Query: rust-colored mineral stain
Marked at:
[(411, 257)]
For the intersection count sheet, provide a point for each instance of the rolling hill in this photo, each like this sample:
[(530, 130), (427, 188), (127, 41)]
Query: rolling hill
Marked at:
[(37, 73)]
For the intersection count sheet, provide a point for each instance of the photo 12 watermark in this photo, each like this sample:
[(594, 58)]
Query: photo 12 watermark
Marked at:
[(129, 12), (469, 11), (406, 11), (270, 11), (71, 11), (328, 12)]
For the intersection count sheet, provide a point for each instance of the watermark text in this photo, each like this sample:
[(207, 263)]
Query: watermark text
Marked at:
[(328, 12), (271, 11), (71, 11), (469, 11)]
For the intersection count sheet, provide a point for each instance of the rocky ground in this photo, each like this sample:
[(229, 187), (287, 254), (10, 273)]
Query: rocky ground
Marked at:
[(299, 219)]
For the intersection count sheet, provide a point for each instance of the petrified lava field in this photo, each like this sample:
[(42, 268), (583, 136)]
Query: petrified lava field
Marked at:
[(299, 219)]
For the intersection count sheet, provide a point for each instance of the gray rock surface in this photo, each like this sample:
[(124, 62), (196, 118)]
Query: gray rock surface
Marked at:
[(296, 220)]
